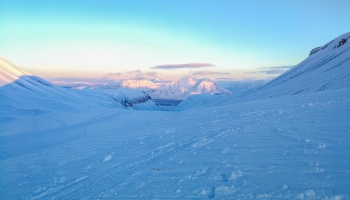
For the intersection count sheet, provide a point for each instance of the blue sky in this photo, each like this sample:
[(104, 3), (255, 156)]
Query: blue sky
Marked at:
[(134, 39)]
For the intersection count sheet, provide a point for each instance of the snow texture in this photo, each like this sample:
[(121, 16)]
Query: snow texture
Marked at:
[(270, 143)]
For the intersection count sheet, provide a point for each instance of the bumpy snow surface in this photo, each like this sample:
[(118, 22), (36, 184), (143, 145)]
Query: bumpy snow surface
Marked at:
[(283, 146), (292, 147)]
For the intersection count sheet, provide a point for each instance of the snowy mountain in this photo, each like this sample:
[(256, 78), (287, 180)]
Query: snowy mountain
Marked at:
[(20, 89), (178, 89), (231, 147), (14, 80), (326, 68), (142, 85), (130, 99), (156, 80)]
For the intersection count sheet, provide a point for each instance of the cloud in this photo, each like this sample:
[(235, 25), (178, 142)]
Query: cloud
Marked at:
[(188, 65), (275, 71), (141, 75), (114, 74), (271, 70), (223, 78), (279, 67), (74, 82), (200, 73), (152, 73), (135, 72)]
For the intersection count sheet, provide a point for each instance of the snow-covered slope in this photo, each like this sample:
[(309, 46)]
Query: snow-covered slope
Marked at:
[(178, 89), (22, 90), (15, 80), (327, 68), (283, 147)]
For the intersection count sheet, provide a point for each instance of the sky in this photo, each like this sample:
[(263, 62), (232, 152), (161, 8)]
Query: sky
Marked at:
[(145, 39)]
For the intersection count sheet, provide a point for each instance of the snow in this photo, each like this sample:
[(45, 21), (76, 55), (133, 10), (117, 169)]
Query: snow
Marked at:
[(288, 147), (24, 91), (179, 89), (265, 144), (324, 70), (239, 87)]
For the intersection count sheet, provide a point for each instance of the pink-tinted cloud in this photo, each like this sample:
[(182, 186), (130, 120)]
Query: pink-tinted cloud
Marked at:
[(114, 74), (135, 72), (187, 65), (144, 74), (152, 73), (140, 74), (201, 73)]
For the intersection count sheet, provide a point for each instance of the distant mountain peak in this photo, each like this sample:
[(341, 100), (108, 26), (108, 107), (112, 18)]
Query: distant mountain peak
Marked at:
[(177, 89), (156, 80)]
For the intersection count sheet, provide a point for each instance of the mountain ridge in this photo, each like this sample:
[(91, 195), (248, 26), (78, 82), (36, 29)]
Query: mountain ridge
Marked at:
[(20, 89), (178, 89), (326, 70), (327, 67)]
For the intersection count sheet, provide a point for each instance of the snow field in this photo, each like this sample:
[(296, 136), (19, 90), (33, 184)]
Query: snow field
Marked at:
[(281, 148), (287, 139)]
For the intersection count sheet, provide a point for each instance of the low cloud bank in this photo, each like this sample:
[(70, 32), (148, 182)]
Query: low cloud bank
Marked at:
[(187, 65)]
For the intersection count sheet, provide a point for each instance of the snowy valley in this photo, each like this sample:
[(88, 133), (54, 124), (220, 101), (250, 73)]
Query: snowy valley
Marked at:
[(284, 139)]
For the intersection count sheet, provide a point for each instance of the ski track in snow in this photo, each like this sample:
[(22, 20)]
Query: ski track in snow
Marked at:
[(266, 149)]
